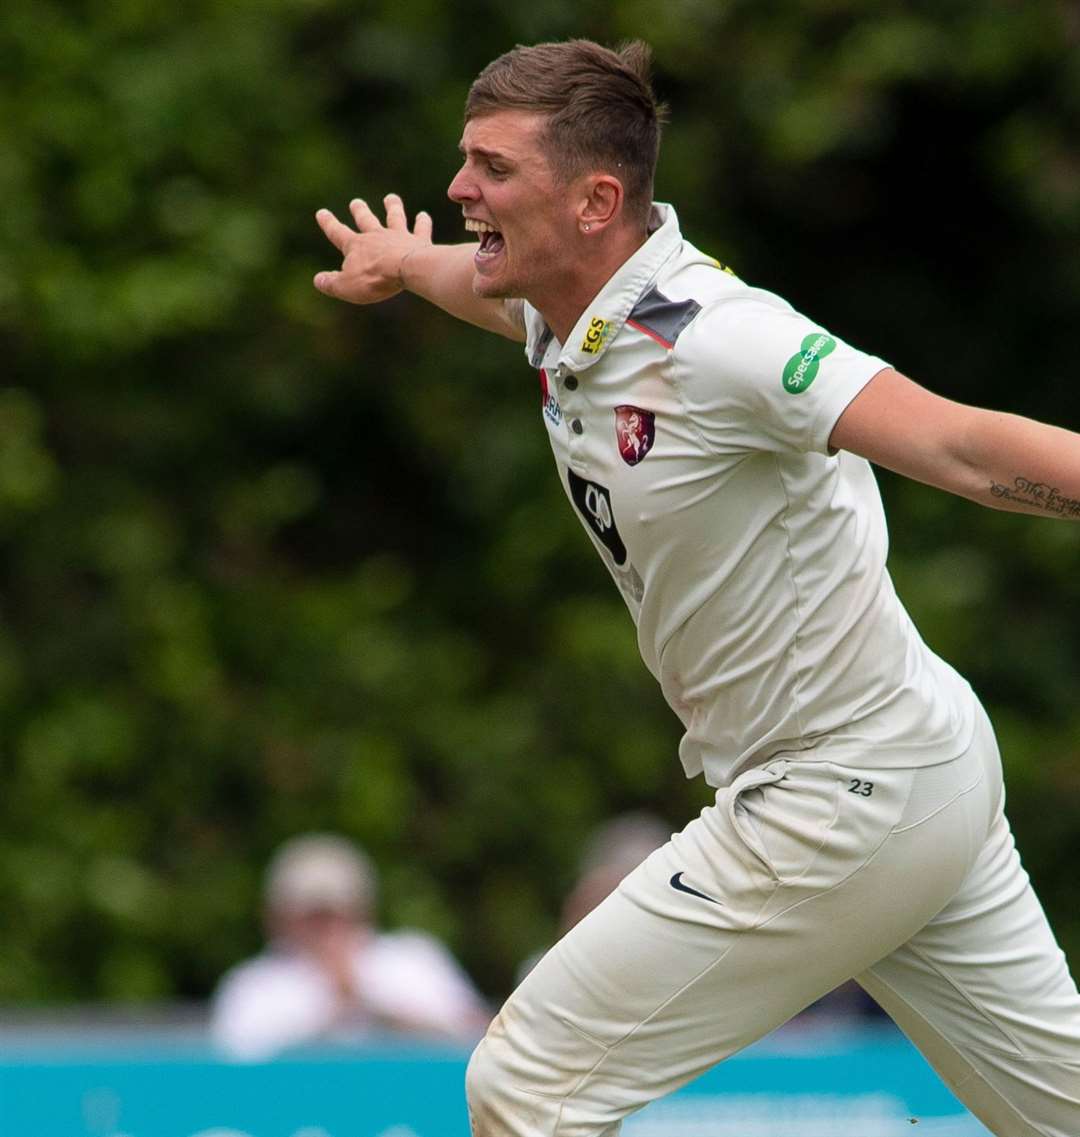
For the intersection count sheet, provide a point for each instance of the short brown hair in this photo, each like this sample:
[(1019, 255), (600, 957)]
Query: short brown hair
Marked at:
[(602, 113)]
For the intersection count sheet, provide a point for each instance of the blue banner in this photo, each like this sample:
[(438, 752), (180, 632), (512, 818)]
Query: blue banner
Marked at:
[(834, 1085)]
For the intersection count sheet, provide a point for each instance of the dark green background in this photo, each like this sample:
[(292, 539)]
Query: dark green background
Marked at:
[(272, 563)]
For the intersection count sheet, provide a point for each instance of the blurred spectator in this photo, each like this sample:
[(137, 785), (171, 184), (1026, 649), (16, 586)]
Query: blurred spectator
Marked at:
[(615, 848), (328, 974)]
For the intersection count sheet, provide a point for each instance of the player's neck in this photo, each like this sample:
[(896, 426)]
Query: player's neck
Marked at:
[(572, 292)]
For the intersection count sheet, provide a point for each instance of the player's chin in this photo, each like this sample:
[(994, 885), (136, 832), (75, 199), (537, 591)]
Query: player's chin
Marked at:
[(496, 287)]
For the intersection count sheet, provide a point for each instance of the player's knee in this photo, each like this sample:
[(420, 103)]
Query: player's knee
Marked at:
[(503, 1102)]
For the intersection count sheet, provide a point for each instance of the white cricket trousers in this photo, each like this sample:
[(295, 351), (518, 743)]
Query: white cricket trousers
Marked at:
[(801, 875)]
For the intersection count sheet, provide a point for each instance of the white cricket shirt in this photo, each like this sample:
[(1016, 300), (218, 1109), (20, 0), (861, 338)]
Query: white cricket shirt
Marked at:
[(689, 415)]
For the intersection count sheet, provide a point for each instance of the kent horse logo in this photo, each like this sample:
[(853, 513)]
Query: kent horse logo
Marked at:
[(635, 432)]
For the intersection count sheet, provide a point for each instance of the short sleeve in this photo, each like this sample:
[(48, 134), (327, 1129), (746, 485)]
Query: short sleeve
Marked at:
[(754, 374)]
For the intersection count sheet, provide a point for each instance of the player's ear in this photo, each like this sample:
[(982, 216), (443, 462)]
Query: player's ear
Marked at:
[(601, 202)]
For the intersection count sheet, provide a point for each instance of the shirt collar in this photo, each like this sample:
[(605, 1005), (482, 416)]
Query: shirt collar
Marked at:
[(603, 319)]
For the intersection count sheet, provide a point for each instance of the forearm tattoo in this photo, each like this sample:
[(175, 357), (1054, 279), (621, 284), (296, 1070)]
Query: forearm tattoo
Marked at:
[(1037, 495)]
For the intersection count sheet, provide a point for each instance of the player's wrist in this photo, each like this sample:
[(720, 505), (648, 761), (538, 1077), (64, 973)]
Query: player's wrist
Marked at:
[(402, 277)]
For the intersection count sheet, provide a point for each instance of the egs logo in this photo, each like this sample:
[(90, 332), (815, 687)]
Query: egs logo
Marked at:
[(594, 335)]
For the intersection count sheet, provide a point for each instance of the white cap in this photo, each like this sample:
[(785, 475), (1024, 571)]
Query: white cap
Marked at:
[(320, 870)]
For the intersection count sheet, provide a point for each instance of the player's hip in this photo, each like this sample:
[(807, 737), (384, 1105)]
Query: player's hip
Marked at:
[(795, 828)]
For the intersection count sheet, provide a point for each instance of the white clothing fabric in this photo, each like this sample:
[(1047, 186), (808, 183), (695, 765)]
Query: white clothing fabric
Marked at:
[(283, 999), (858, 829), (751, 559), (801, 875)]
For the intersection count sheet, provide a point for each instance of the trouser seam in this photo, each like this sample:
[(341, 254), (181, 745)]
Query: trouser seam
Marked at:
[(752, 926), (872, 856), (941, 973), (609, 1050), (564, 1100), (972, 1073), (1034, 1059), (583, 1033), (825, 891), (945, 805)]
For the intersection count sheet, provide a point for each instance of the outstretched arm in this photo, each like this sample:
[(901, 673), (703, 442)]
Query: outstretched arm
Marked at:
[(996, 459), (379, 261)]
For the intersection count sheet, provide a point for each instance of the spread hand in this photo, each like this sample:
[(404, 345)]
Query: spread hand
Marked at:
[(373, 254)]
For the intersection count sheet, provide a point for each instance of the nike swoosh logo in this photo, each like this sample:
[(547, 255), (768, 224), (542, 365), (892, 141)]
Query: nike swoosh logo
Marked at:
[(676, 883)]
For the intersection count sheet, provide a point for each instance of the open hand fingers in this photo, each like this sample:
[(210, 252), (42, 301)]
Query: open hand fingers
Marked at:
[(372, 254), (326, 282), (362, 214), (395, 212), (337, 234), (422, 228), (366, 221)]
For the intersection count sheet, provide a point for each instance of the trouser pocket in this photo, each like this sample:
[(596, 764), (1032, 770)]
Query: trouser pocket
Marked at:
[(752, 782), (787, 812)]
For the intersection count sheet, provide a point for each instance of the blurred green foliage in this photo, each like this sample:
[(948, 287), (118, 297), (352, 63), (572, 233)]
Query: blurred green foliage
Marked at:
[(271, 563)]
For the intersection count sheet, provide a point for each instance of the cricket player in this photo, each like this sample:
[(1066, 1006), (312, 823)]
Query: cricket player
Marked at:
[(716, 446)]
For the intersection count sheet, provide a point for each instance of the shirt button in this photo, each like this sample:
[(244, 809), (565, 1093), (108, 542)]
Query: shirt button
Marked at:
[(576, 426), (571, 382)]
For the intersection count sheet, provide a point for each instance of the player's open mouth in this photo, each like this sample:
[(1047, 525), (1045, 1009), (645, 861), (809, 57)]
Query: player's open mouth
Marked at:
[(491, 241)]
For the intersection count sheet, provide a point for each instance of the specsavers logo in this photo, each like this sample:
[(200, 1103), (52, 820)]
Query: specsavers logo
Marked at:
[(594, 335), (802, 368)]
